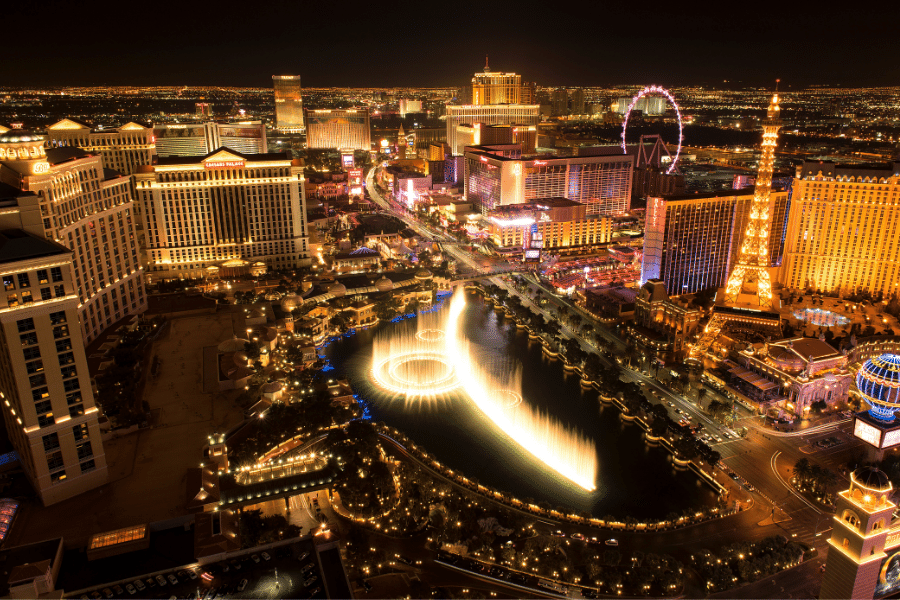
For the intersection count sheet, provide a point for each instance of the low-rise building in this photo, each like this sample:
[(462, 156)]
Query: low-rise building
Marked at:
[(675, 318), (792, 374), (557, 225), (361, 259)]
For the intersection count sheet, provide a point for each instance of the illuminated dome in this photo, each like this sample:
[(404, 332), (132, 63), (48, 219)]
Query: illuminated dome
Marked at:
[(423, 274), (872, 479), (338, 290), (878, 382), (17, 136), (384, 284)]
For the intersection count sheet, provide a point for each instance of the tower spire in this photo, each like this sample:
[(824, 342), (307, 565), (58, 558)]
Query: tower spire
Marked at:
[(487, 68), (753, 259)]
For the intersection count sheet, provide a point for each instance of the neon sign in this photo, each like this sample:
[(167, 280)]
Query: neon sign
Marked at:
[(224, 164)]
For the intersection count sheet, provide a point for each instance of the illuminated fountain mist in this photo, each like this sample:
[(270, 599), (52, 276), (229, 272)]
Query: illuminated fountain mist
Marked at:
[(433, 362)]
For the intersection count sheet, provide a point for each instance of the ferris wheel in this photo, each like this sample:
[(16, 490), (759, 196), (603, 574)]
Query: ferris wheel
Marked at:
[(655, 89)]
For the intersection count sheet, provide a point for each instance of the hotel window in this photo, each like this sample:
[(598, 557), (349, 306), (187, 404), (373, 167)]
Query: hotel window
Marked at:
[(8, 283), (23, 280)]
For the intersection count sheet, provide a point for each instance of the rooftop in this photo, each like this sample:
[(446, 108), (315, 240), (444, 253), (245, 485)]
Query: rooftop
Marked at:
[(63, 154), (16, 244)]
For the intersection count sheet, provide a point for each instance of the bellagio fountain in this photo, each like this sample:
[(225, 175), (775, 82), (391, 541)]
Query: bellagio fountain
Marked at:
[(437, 361)]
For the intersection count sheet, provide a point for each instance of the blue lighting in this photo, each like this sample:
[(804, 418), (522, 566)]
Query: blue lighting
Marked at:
[(878, 382)]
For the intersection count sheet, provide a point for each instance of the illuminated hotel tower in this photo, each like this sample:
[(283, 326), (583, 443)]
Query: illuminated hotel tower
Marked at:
[(288, 103), (861, 528), (753, 259), (495, 88)]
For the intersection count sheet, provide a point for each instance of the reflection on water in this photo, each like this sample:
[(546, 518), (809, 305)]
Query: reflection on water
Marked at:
[(629, 472)]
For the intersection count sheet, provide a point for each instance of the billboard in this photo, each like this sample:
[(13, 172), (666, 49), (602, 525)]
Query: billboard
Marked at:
[(867, 433)]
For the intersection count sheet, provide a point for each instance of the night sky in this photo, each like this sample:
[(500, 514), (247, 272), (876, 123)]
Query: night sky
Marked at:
[(441, 43)]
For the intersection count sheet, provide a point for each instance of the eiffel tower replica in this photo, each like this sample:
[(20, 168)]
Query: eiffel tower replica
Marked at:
[(747, 295)]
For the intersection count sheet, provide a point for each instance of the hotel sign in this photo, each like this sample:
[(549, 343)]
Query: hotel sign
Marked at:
[(224, 164)]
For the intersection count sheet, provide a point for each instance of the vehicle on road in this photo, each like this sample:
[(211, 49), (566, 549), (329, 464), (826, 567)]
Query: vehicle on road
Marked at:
[(558, 533), (578, 536), (107, 592), (118, 590), (612, 542), (172, 579), (139, 585), (255, 558), (161, 580), (266, 556), (242, 585), (130, 589)]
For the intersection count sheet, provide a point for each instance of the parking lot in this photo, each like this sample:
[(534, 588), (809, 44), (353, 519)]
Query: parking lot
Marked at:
[(290, 571)]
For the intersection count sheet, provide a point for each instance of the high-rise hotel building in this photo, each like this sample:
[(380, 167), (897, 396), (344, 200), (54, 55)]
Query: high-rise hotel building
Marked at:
[(462, 118), (338, 128), (490, 87), (692, 241), (199, 213), (199, 139), (602, 183), (89, 209), (123, 149), (843, 232), (288, 103), (45, 389)]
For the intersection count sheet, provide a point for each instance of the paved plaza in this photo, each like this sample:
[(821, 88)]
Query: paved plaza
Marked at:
[(147, 469)]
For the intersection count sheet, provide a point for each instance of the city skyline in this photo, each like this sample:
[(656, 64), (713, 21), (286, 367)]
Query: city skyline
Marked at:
[(621, 45)]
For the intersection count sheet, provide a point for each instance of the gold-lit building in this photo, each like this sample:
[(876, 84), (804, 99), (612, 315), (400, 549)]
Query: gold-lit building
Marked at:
[(200, 213), (123, 149), (842, 231), (87, 208), (288, 103), (561, 225), (198, 139), (339, 129), (491, 87), (45, 388)]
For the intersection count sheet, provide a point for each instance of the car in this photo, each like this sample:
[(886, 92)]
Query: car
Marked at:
[(558, 533), (404, 559), (307, 568), (130, 588), (310, 581), (266, 556), (303, 556), (172, 579), (192, 574), (578, 536), (255, 558), (206, 576), (236, 565), (108, 593), (151, 583), (367, 585), (612, 542), (242, 585), (118, 590), (96, 595), (733, 476), (139, 585), (160, 580), (315, 591), (182, 574)]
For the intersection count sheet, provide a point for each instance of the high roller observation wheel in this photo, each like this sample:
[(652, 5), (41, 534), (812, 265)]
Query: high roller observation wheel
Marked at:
[(656, 89)]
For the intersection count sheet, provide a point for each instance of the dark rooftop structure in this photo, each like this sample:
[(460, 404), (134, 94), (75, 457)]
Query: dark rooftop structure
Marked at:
[(16, 244), (828, 168), (63, 154)]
